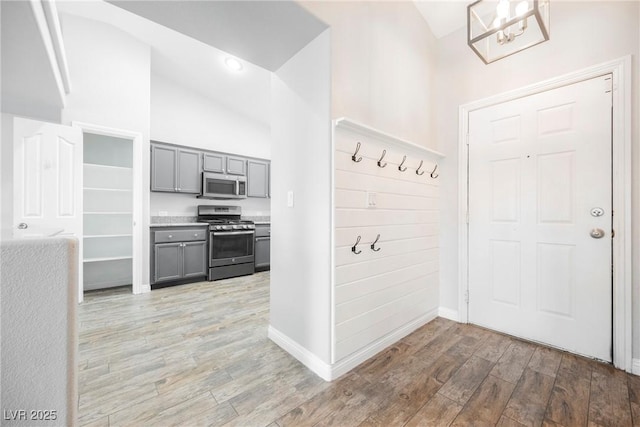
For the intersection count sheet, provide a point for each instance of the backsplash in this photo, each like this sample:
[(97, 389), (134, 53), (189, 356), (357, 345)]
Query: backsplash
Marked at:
[(178, 205), (173, 219), (188, 219)]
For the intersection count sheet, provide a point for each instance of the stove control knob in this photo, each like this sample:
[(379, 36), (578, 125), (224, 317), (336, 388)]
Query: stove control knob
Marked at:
[(235, 227), (226, 227)]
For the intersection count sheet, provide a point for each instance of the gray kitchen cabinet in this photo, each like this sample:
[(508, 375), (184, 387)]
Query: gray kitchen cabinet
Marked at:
[(163, 168), (257, 179), (262, 249), (168, 262), (179, 253), (174, 169), (194, 261), (236, 165), (212, 162), (188, 172)]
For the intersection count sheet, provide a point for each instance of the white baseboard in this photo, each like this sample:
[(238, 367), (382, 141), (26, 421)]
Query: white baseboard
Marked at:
[(447, 313), (345, 365), (330, 372), (635, 366), (144, 288), (304, 356)]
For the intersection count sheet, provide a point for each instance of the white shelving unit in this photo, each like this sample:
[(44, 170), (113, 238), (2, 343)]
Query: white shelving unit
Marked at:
[(108, 212)]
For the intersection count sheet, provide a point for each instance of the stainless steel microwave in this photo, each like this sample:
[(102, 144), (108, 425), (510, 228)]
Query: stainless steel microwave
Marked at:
[(219, 186)]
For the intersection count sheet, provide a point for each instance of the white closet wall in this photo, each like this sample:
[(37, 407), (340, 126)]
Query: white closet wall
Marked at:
[(382, 295), (108, 207)]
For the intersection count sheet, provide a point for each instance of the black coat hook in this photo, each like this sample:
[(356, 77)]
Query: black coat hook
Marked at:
[(384, 152), (359, 159), (418, 170), (434, 171), (373, 245), (354, 247), (400, 166)]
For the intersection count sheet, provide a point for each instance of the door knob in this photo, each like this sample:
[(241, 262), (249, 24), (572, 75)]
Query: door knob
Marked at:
[(597, 233), (23, 226)]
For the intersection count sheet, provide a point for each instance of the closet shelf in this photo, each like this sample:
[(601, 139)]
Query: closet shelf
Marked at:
[(108, 213), (114, 258), (99, 236), (107, 166), (123, 190)]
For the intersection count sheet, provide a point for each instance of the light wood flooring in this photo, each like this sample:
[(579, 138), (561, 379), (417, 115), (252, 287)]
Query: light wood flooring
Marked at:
[(198, 355)]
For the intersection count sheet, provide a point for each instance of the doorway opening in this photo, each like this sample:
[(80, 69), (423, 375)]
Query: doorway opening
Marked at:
[(112, 209)]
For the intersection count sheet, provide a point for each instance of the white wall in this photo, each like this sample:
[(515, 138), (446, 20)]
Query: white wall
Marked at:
[(39, 329), (181, 116), (110, 72), (300, 302), (383, 66), (582, 34)]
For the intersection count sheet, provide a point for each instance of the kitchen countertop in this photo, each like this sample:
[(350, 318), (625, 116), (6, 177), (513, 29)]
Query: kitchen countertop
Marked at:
[(262, 222), (180, 224)]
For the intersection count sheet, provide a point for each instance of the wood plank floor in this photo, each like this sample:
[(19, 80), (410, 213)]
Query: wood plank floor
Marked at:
[(198, 355)]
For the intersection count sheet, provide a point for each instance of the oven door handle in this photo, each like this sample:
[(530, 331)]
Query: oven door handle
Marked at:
[(232, 233)]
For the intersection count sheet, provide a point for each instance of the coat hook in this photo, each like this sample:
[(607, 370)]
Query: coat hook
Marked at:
[(434, 171), (373, 245), (418, 170), (382, 157), (400, 166), (354, 247), (359, 159)]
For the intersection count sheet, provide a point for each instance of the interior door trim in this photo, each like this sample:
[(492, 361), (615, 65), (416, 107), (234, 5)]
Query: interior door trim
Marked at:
[(621, 180), (140, 239)]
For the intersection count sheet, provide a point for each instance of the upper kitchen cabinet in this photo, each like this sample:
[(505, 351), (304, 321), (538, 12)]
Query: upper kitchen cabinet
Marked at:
[(257, 179), (236, 165), (220, 163), (213, 162), (188, 171), (174, 169)]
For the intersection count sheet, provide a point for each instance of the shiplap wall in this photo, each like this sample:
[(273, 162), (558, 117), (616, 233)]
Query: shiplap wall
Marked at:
[(379, 293)]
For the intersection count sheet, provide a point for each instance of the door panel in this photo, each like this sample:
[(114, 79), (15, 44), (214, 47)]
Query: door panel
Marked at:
[(47, 177), (30, 172), (537, 166), (195, 259), (66, 178), (164, 168), (189, 172)]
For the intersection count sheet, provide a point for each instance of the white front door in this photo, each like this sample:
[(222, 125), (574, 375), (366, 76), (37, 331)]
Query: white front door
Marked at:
[(47, 177), (539, 187)]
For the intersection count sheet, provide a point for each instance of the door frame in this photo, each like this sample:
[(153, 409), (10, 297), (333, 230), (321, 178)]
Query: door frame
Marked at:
[(621, 181), (138, 225)]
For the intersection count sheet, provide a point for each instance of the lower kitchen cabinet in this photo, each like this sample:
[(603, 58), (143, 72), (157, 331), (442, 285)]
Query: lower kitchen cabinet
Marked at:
[(194, 259), (262, 248), (179, 255)]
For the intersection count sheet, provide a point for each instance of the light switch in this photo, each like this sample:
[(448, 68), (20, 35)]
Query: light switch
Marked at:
[(290, 199), (372, 199)]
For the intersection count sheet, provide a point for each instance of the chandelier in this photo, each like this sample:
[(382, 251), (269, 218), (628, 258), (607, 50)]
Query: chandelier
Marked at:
[(497, 29)]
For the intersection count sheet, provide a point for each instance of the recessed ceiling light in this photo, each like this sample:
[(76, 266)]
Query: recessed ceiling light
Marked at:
[(233, 64)]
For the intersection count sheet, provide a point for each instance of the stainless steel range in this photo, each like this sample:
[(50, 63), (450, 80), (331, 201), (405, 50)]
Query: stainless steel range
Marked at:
[(231, 241)]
